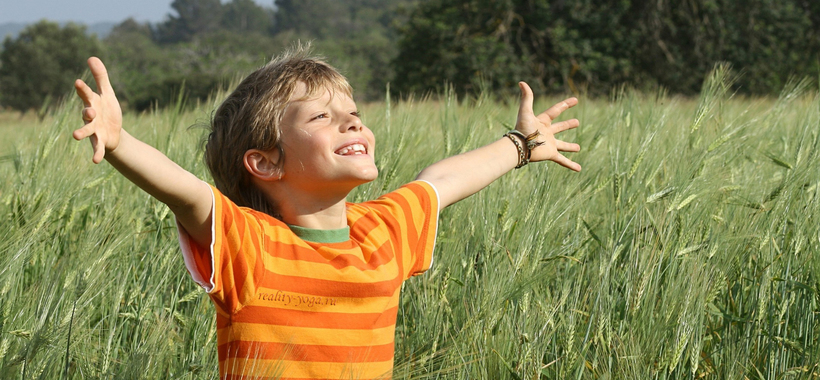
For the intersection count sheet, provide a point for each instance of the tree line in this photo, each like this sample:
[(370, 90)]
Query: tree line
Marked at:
[(587, 46), (593, 45)]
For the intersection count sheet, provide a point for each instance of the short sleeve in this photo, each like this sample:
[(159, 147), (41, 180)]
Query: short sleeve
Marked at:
[(411, 218), (232, 266)]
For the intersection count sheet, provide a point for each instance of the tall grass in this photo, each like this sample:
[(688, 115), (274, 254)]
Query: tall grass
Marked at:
[(686, 248)]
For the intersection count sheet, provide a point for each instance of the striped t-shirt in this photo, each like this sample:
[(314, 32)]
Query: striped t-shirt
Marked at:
[(291, 308)]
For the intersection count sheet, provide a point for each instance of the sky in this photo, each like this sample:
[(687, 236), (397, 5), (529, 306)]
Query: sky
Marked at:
[(88, 11)]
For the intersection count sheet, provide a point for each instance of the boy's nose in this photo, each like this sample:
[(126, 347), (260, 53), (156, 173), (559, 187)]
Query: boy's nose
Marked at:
[(354, 124)]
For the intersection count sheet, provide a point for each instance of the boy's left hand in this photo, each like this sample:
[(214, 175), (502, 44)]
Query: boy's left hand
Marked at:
[(528, 123)]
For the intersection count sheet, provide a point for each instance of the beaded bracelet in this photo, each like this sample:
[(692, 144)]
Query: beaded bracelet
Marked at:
[(523, 158), (531, 140)]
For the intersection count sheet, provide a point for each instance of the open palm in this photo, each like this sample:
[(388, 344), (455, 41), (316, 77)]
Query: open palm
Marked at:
[(102, 113), (550, 147)]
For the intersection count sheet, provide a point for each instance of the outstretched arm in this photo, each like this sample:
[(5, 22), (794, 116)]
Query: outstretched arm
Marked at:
[(460, 176), (187, 196)]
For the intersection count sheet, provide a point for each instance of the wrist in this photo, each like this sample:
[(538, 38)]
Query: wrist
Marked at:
[(530, 140), (520, 143), (114, 152)]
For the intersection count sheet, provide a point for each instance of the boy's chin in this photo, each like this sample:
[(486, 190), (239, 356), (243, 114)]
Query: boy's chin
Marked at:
[(363, 178), (369, 177)]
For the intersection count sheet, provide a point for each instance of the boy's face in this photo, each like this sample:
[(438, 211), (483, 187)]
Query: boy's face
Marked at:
[(326, 145)]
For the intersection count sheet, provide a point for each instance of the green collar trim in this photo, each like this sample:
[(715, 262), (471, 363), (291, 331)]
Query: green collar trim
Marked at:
[(321, 236)]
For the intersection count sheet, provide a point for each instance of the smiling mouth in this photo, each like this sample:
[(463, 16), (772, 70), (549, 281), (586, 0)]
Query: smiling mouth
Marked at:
[(352, 150)]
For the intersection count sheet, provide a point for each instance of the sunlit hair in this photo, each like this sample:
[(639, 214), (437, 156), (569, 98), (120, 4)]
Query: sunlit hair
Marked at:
[(251, 117)]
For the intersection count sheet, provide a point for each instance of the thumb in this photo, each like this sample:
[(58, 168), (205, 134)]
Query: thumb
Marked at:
[(525, 107)]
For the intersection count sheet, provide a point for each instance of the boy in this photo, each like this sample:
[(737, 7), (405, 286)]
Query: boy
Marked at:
[(305, 285)]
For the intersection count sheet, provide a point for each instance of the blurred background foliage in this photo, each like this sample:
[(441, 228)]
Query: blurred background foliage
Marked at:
[(558, 46)]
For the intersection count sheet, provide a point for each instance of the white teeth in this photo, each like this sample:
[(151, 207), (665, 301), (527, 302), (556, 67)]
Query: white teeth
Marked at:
[(354, 149)]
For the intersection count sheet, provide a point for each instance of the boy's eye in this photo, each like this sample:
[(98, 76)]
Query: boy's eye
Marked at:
[(319, 116), (356, 113)]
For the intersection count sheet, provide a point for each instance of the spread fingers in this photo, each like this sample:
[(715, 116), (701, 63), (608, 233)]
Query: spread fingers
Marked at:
[(553, 112), (85, 131), (567, 163), (85, 92), (99, 150), (564, 125), (567, 147)]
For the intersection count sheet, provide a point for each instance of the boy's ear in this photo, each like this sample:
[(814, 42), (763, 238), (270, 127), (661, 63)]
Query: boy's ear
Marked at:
[(263, 164)]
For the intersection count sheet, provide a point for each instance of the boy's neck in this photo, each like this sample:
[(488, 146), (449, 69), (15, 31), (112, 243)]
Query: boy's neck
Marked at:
[(321, 213), (330, 218)]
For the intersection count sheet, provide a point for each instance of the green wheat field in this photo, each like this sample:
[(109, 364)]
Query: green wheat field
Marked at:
[(687, 248)]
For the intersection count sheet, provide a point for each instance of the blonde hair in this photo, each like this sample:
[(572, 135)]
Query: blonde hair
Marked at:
[(251, 116)]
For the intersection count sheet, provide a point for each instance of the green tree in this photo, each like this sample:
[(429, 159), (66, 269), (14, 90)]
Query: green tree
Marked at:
[(310, 18), (767, 41), (554, 46), (148, 74), (359, 39), (598, 44), (192, 17), (463, 43), (136, 63), (200, 49), (41, 64), (246, 16)]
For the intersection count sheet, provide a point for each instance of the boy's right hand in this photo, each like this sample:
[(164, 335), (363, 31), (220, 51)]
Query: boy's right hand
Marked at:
[(102, 113)]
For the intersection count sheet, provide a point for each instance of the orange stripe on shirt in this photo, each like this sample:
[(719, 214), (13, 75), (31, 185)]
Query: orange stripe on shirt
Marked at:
[(339, 260), (304, 352), (329, 288), (306, 335), (299, 318), (308, 370)]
